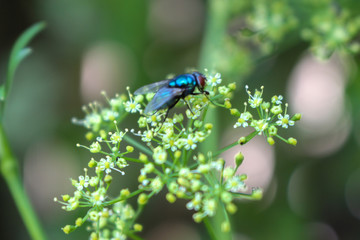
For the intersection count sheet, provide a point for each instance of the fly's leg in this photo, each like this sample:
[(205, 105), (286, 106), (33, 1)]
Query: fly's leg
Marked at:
[(166, 114), (187, 104)]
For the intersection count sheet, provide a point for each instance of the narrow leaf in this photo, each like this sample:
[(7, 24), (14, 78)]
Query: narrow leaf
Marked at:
[(18, 53)]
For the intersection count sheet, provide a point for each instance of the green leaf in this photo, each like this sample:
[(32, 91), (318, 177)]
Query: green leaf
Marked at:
[(18, 53)]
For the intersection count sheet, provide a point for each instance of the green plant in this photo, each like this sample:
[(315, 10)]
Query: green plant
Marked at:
[(8, 162), (168, 158)]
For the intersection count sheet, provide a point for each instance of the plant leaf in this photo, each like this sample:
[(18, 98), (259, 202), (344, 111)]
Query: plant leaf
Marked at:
[(18, 53)]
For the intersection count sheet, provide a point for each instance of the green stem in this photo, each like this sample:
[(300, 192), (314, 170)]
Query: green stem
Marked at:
[(217, 153), (218, 15), (9, 170), (209, 228)]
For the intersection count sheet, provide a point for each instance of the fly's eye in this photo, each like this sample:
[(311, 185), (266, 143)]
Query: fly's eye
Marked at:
[(201, 80)]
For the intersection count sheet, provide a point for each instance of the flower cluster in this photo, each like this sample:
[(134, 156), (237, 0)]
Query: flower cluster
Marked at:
[(168, 159), (268, 118), (333, 29), (270, 21)]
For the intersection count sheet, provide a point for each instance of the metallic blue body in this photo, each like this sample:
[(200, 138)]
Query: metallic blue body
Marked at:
[(169, 92), (183, 81)]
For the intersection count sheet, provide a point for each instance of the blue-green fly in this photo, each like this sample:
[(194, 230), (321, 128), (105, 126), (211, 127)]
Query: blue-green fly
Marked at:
[(170, 91)]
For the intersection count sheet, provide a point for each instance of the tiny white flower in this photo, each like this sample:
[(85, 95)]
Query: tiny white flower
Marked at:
[(109, 115), (210, 207), (214, 80), (285, 121), (260, 125), (277, 99), (159, 155), (106, 164), (170, 143), (147, 136), (83, 182), (98, 197), (195, 203), (235, 184), (95, 147), (154, 119), (157, 184), (242, 121), (132, 106), (256, 99), (199, 136), (190, 142), (116, 137)]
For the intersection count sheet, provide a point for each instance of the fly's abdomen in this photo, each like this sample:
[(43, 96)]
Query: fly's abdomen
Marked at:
[(183, 81)]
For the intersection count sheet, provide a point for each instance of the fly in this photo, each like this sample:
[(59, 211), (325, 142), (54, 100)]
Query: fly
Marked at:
[(170, 91)]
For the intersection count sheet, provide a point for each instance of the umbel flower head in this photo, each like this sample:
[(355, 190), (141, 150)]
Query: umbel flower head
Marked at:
[(165, 149), (267, 118)]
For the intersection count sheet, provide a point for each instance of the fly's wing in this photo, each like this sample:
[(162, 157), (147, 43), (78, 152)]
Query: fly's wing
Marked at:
[(151, 87), (164, 98)]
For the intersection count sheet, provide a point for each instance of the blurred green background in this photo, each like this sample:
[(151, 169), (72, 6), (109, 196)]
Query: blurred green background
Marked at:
[(311, 191)]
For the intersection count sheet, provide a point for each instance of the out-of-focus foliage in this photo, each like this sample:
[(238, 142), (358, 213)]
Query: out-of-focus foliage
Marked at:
[(305, 49)]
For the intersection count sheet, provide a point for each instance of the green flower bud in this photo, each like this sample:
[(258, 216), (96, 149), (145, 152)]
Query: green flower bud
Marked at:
[(170, 197), (94, 236), (129, 148), (183, 182), (79, 222), (124, 193), (257, 193), (103, 134), (89, 136), (265, 105), (201, 158), (177, 154), (141, 178), (65, 197), (228, 172), (198, 217), (68, 229), (231, 208), (139, 98), (225, 226), (195, 185), (232, 86), (143, 158), (242, 140), (226, 197), (296, 117), (173, 187), (143, 199), (108, 179), (227, 104), (208, 126), (234, 112), (138, 227), (271, 140), (198, 123), (239, 158), (292, 141)]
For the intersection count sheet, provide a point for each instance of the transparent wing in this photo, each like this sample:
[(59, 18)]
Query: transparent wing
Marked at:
[(164, 98), (151, 87)]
